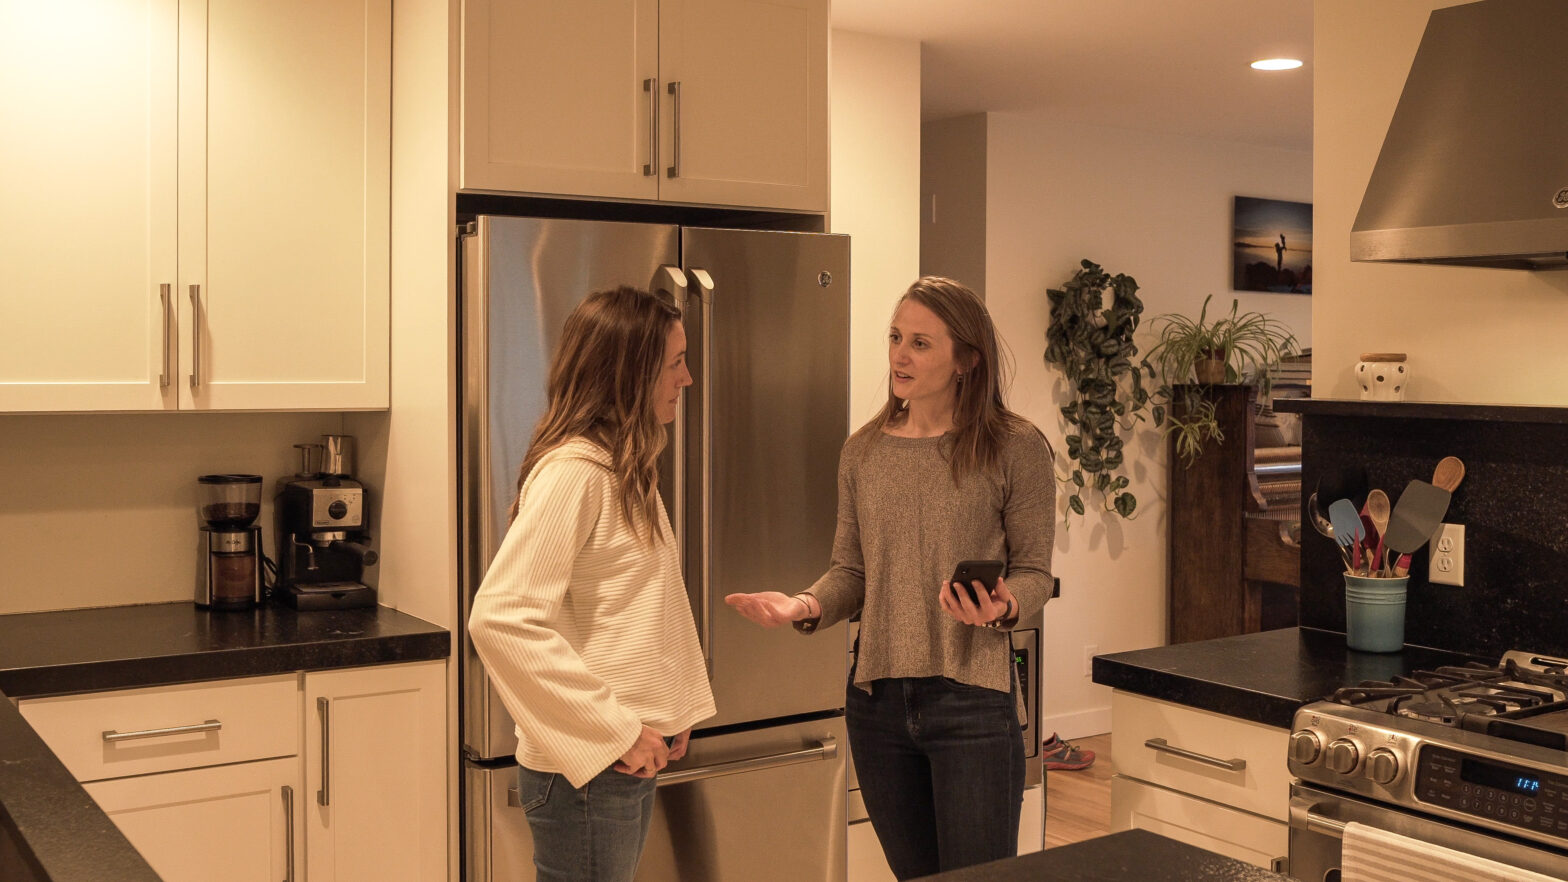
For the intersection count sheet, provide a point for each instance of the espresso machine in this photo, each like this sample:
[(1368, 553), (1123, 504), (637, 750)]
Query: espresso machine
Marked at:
[(323, 548), (229, 574)]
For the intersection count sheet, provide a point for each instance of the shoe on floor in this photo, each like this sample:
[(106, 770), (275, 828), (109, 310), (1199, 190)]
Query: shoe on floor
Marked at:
[(1061, 755)]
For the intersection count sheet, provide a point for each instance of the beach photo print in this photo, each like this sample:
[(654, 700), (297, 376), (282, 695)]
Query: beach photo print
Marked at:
[(1271, 246)]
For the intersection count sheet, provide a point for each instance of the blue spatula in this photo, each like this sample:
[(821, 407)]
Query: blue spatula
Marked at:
[(1348, 530)]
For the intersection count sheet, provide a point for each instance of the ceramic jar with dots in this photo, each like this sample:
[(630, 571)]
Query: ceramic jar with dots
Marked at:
[(1382, 376)]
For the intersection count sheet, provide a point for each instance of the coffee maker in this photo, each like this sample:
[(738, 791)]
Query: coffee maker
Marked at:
[(229, 575), (323, 548)]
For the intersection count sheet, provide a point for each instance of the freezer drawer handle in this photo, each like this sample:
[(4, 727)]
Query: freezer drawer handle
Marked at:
[(826, 749), (1230, 765), (110, 736)]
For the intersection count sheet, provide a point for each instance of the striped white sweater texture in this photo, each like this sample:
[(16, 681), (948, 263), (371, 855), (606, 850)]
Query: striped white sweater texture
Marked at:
[(584, 627)]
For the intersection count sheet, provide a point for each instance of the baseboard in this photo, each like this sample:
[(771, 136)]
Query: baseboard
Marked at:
[(1079, 724)]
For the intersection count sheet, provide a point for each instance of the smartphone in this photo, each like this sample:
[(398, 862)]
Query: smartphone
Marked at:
[(986, 572)]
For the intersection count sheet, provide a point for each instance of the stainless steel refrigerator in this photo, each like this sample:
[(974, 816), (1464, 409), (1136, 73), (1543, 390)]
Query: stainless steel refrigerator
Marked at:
[(750, 479)]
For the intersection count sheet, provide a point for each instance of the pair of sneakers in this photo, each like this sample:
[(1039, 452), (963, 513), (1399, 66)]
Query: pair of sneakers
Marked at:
[(1064, 756)]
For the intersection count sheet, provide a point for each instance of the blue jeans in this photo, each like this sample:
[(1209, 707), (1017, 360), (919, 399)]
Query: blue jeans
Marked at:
[(941, 768), (590, 834)]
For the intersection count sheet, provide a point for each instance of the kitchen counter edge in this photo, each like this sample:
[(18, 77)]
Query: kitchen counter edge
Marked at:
[(1262, 677)]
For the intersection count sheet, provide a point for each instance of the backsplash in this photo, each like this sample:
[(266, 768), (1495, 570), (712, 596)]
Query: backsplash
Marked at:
[(1513, 504)]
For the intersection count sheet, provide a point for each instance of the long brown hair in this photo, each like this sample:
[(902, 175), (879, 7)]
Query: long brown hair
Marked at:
[(601, 387), (982, 422)]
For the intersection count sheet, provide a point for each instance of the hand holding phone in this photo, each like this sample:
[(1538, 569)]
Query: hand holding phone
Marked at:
[(986, 572)]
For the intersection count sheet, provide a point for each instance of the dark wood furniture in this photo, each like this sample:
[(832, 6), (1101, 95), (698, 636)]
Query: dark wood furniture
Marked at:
[(1235, 552)]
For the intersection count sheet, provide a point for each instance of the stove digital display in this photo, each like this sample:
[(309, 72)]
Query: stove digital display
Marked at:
[(1488, 775)]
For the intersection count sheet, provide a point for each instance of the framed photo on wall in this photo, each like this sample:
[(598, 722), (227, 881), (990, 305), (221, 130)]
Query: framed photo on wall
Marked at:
[(1271, 246)]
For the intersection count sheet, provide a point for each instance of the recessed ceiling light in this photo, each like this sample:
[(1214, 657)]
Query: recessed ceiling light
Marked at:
[(1277, 64)]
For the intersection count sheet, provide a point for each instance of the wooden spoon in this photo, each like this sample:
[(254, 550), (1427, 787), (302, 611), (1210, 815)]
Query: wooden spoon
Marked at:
[(1449, 472), (1378, 509)]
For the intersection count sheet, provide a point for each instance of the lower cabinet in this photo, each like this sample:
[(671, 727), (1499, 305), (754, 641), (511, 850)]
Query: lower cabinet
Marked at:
[(375, 767), (237, 823), (1207, 779), (1236, 834), (326, 776)]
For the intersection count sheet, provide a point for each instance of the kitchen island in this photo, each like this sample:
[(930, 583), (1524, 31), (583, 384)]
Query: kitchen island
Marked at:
[(1129, 856), (50, 829)]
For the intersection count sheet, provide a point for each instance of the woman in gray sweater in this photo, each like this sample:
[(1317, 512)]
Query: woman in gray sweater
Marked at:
[(944, 473)]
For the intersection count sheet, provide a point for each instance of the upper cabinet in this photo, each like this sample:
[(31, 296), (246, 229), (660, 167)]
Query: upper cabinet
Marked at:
[(195, 205), (713, 102)]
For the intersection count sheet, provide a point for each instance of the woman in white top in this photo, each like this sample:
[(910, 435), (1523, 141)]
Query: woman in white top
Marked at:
[(582, 619)]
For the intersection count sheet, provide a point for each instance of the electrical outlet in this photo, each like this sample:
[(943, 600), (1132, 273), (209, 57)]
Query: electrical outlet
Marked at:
[(1448, 555), (1089, 652)]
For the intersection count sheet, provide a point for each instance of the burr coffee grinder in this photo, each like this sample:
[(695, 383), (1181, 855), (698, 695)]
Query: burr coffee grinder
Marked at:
[(229, 575), (323, 548)]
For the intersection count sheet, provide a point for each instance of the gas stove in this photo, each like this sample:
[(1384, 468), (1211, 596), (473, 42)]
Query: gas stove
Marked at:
[(1483, 745)]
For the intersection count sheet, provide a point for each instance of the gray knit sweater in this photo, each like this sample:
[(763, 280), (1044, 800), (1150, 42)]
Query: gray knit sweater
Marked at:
[(903, 524)]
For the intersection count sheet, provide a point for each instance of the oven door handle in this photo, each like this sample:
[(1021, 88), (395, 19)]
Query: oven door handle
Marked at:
[(1324, 824)]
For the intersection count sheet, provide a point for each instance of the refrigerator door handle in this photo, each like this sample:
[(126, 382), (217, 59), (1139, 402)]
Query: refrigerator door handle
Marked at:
[(826, 749), (670, 279), (705, 465)]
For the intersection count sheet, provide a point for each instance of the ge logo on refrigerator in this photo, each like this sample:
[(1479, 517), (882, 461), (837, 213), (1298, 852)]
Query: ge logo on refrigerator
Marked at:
[(1561, 199)]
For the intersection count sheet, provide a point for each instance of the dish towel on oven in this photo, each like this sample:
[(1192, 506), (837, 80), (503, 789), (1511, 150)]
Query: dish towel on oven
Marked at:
[(1373, 855)]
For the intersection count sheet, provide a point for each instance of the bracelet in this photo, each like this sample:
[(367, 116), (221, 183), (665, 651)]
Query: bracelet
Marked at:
[(996, 623), (805, 601)]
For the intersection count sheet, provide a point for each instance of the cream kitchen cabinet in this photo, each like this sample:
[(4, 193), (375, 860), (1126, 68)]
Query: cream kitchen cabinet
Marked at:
[(195, 205), (375, 767), (716, 102), (202, 778), (1207, 779), (324, 776)]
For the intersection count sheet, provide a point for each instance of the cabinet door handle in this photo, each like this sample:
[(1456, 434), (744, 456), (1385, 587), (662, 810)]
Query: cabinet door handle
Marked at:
[(110, 736), (195, 337), (675, 148), (651, 167), (324, 708), (167, 297), (1230, 765), (288, 833)]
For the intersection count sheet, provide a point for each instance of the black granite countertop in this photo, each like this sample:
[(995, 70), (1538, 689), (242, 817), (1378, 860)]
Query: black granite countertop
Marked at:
[(50, 829), (1260, 677), (1129, 856)]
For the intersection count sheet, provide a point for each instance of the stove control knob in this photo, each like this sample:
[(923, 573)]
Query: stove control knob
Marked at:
[(1306, 747), (1342, 756), (1382, 765)]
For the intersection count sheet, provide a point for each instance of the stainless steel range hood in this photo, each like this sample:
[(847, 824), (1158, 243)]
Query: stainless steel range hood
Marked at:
[(1474, 169)]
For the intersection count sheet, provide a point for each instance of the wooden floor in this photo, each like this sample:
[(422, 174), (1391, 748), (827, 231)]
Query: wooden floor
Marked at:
[(1078, 804)]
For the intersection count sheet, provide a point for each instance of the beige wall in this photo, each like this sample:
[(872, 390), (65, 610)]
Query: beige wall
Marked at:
[(100, 509), (952, 199), (875, 88), (1157, 207), (1472, 335)]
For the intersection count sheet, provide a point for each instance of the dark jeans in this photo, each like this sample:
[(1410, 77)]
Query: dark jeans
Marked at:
[(590, 834), (941, 768)]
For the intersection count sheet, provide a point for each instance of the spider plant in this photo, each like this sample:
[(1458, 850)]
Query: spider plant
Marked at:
[(1237, 347)]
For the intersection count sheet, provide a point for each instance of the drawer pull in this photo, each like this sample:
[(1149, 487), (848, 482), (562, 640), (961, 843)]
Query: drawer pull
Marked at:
[(110, 736), (1230, 765)]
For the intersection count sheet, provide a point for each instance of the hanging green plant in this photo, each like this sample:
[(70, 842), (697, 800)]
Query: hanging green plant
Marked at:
[(1092, 343)]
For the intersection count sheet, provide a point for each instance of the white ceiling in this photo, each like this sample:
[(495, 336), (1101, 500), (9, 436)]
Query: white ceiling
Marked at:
[(1177, 66)]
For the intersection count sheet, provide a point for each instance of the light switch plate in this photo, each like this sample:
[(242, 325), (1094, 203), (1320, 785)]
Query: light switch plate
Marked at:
[(1448, 555)]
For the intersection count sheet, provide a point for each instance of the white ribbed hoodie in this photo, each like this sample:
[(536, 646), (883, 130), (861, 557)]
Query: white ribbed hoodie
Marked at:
[(585, 628)]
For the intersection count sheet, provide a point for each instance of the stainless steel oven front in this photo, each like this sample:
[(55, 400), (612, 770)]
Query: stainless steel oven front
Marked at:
[(1318, 818)]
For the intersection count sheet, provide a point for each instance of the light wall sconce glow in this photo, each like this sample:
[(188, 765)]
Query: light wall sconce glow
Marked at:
[(1277, 64)]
